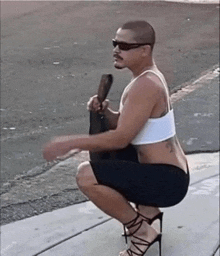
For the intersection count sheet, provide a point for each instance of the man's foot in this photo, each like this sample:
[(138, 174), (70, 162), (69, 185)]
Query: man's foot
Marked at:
[(150, 213), (140, 239), (152, 216)]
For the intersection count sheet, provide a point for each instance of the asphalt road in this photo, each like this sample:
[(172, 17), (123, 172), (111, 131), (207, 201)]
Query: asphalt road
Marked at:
[(54, 53)]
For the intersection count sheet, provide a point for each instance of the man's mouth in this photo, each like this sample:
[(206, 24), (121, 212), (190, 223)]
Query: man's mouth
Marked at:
[(117, 57)]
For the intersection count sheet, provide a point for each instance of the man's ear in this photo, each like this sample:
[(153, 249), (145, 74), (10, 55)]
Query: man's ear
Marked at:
[(146, 50)]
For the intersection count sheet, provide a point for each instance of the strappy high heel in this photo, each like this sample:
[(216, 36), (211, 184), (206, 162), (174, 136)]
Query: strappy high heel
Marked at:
[(159, 216), (132, 224)]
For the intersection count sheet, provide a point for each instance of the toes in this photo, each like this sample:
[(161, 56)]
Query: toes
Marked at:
[(123, 253)]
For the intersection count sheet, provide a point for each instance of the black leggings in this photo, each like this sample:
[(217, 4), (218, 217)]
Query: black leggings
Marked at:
[(158, 185)]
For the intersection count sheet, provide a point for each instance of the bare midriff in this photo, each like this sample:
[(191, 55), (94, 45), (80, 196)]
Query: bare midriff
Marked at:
[(166, 152)]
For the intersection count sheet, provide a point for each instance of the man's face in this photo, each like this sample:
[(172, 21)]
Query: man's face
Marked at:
[(123, 58)]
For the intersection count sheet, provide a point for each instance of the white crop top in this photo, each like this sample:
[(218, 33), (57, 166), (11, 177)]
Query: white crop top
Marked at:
[(155, 129)]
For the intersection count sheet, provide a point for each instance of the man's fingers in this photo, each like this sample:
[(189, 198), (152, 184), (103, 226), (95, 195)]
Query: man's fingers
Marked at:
[(105, 104), (94, 105), (69, 154)]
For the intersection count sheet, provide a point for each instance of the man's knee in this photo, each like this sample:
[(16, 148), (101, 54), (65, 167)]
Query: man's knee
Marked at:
[(85, 176)]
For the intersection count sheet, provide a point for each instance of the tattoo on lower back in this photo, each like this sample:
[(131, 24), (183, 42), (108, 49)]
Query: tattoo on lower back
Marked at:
[(170, 144)]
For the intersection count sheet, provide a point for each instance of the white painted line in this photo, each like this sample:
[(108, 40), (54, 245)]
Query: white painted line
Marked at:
[(192, 86)]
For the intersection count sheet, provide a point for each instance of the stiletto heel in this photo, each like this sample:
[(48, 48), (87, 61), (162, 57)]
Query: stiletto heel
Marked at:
[(160, 246), (132, 224), (159, 216)]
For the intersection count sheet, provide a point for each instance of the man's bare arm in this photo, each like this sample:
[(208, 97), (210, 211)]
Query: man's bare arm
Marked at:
[(139, 102)]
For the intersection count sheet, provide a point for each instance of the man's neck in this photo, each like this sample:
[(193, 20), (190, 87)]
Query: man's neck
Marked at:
[(145, 66)]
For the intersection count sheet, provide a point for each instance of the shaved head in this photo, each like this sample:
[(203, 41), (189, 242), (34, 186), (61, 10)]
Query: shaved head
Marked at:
[(143, 31)]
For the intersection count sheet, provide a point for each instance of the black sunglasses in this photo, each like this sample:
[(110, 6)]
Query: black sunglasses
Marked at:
[(126, 46)]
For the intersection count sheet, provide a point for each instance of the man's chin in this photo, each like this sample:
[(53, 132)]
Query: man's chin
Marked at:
[(116, 65)]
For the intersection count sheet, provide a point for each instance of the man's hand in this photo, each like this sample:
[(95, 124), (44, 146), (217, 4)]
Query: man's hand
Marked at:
[(58, 149), (94, 105)]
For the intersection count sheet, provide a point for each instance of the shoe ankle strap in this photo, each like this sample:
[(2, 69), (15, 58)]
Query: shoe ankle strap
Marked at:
[(131, 223)]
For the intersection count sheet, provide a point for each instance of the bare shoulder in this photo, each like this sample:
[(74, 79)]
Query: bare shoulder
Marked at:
[(146, 86)]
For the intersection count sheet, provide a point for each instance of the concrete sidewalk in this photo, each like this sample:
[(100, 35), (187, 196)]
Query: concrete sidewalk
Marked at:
[(189, 229)]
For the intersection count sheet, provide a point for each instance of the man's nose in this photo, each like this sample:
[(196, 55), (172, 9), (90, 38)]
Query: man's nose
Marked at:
[(116, 49)]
